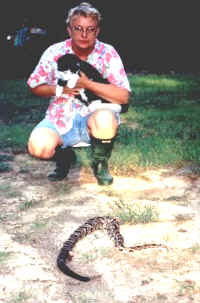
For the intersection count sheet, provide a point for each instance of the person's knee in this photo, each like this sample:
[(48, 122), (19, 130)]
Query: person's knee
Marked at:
[(42, 144), (103, 124), (40, 150)]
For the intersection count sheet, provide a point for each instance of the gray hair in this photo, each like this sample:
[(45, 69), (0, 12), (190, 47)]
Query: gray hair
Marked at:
[(86, 10)]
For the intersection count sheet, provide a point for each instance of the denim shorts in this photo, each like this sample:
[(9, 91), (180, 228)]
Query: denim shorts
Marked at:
[(77, 134)]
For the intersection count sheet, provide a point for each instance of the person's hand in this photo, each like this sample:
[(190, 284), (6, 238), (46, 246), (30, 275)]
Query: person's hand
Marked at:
[(82, 81), (71, 91)]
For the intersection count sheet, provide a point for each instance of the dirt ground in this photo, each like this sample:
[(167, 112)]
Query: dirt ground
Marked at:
[(37, 216)]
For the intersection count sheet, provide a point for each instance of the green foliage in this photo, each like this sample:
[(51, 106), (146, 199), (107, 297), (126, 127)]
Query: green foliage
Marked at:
[(38, 225), (4, 256), (20, 112), (135, 213), (162, 126), (8, 191), (4, 167), (27, 205), (21, 297), (195, 248), (14, 136)]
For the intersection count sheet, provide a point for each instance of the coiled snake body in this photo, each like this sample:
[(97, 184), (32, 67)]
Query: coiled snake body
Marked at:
[(110, 224)]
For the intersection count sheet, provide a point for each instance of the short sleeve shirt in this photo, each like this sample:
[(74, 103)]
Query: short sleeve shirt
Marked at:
[(104, 58)]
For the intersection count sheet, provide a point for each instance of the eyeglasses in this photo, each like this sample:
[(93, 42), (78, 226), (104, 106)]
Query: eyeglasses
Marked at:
[(80, 30)]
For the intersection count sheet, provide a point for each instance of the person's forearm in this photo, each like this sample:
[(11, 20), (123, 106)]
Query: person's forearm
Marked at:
[(109, 92), (44, 90)]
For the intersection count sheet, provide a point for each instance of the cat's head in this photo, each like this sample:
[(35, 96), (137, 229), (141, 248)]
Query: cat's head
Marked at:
[(69, 62)]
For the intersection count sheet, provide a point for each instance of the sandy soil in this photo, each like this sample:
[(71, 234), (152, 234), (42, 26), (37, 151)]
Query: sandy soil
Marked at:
[(37, 216)]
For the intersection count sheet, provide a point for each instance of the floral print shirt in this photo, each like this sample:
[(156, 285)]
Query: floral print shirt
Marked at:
[(62, 110)]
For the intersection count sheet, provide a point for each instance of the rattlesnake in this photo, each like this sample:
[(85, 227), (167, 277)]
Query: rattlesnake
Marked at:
[(108, 223)]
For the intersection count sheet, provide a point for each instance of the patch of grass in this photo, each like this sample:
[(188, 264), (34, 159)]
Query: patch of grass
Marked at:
[(62, 189), (195, 248), (4, 256), (110, 192), (104, 251), (4, 158), (15, 136), (5, 167), (88, 257), (184, 217), (21, 297), (39, 225), (94, 298), (27, 205), (165, 109), (135, 214), (187, 287), (2, 218), (21, 238), (8, 191)]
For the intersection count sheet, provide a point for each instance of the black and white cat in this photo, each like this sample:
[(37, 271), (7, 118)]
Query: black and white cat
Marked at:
[(69, 68)]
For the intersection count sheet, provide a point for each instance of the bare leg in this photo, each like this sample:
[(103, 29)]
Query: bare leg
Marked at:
[(102, 124), (42, 142), (45, 143)]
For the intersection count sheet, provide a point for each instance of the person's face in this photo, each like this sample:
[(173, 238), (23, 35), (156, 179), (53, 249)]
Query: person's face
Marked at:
[(83, 31)]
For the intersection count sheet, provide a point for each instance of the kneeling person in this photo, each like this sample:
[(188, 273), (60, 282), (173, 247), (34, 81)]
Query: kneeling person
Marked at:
[(68, 120)]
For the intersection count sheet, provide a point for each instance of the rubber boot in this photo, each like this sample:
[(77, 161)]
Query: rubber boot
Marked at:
[(101, 152), (64, 158)]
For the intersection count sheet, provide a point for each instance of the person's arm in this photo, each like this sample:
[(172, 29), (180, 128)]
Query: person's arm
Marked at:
[(109, 92), (42, 81), (46, 90)]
